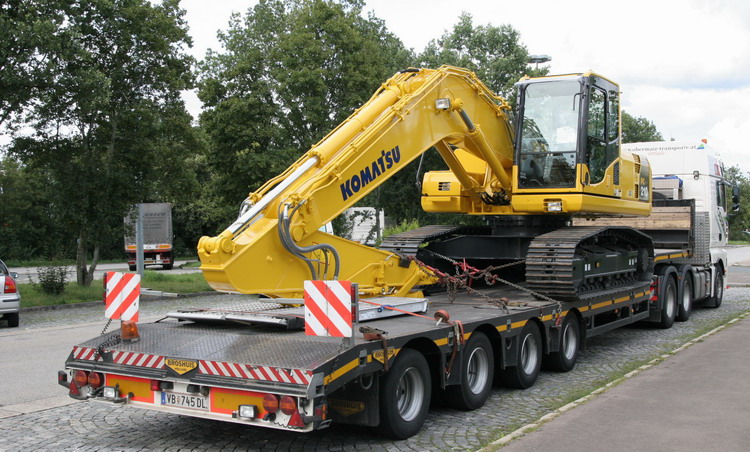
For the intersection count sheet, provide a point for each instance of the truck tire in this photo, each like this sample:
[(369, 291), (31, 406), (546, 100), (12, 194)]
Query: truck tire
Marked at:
[(715, 301), (131, 267), (529, 359), (12, 319), (477, 372), (570, 343), (168, 266), (668, 295), (405, 395), (686, 299)]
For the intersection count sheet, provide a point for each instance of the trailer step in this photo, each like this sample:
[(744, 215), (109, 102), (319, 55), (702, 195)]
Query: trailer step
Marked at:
[(290, 312)]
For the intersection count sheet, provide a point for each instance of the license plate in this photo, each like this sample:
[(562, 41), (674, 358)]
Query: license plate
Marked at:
[(191, 401)]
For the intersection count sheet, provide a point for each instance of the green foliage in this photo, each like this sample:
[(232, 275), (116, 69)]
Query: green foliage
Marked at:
[(112, 113), (494, 53), (52, 280), (405, 225), (30, 35), (637, 129), (739, 221), (289, 72)]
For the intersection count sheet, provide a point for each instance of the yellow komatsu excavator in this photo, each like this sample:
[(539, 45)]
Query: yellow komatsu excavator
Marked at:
[(560, 158)]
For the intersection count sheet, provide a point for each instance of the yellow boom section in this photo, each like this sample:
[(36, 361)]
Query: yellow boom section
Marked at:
[(264, 251)]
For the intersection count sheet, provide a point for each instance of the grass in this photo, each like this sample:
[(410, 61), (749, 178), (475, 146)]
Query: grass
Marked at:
[(739, 242), (186, 283)]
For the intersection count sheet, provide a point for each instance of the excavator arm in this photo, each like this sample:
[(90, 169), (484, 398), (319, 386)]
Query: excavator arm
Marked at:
[(275, 243)]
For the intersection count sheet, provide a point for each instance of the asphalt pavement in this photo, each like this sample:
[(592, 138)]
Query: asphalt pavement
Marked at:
[(695, 399)]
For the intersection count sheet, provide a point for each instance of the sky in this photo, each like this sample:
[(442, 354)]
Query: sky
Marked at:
[(682, 64)]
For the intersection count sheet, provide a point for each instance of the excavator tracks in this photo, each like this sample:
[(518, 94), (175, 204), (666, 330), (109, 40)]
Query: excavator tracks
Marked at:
[(582, 262)]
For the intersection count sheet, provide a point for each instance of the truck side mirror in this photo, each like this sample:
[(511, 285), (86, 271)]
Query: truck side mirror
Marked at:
[(735, 198)]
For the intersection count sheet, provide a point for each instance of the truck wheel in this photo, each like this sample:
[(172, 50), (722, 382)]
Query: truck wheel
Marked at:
[(686, 301), (477, 372), (570, 343), (12, 319), (405, 395), (131, 267), (167, 266), (668, 303), (715, 301), (529, 359)]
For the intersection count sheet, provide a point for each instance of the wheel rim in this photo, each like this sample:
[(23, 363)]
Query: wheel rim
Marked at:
[(669, 299), (529, 356), (570, 342), (410, 395), (686, 297), (478, 370)]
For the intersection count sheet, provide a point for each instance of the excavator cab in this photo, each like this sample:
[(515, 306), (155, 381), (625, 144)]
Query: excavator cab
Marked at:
[(568, 143)]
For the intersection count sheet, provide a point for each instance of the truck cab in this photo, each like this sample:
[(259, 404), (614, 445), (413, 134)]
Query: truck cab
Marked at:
[(689, 170)]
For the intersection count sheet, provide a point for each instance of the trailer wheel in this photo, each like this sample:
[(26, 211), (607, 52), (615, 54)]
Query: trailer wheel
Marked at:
[(715, 301), (131, 267), (686, 301), (529, 359), (668, 303), (405, 395), (570, 343), (477, 369)]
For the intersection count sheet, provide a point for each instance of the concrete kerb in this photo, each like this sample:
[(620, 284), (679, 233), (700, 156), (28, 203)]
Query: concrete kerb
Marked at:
[(554, 414), (149, 296)]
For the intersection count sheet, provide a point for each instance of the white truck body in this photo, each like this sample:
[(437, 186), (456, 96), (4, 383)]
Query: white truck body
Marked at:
[(689, 170)]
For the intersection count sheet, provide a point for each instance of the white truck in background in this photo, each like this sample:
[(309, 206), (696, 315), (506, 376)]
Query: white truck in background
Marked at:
[(694, 171), (157, 235)]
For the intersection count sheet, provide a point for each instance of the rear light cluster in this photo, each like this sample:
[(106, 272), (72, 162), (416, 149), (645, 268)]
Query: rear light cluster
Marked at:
[(9, 286), (82, 379), (272, 404)]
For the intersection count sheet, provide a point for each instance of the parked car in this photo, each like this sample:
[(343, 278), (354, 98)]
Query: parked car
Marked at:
[(10, 298)]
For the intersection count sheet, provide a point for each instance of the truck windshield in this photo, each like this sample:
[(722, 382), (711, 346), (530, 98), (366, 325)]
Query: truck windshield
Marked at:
[(549, 134)]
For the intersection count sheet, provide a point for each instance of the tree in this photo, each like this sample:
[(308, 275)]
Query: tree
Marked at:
[(494, 53), (30, 33), (739, 221), (109, 116), (637, 129), (289, 72)]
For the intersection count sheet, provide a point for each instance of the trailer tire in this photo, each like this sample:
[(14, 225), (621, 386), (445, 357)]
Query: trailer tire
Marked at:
[(715, 301), (570, 343), (477, 373), (405, 395), (686, 299), (529, 359), (131, 267), (669, 308)]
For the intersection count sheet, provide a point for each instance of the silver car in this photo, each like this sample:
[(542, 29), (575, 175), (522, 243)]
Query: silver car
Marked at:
[(10, 298)]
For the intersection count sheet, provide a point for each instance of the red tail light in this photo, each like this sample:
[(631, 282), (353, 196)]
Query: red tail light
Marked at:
[(155, 385), (271, 403), (288, 405), (10, 285), (95, 379), (81, 378)]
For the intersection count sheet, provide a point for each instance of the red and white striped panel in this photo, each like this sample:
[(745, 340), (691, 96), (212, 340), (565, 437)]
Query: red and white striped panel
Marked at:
[(328, 308), (263, 373), (124, 358), (123, 293)]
